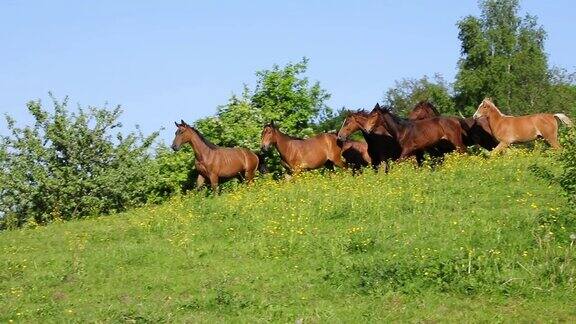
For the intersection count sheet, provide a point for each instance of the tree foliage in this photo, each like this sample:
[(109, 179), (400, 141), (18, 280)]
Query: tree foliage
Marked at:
[(283, 95), (70, 165), (406, 93), (502, 57)]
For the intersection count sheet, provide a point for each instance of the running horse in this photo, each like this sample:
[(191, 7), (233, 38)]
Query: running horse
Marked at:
[(381, 146), (213, 162), (415, 136), (520, 129), (299, 154), (476, 130)]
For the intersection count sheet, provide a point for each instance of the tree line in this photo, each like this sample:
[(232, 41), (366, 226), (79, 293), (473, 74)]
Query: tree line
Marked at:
[(72, 164)]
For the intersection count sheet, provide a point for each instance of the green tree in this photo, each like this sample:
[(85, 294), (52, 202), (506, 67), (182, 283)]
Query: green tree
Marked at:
[(406, 93), (283, 95), (502, 56), (70, 164)]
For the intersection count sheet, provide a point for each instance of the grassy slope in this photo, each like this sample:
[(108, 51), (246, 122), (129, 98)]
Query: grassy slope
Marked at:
[(474, 240)]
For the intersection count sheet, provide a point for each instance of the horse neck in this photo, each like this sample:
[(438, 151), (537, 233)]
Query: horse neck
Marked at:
[(494, 115), (201, 149), (396, 129), (281, 141)]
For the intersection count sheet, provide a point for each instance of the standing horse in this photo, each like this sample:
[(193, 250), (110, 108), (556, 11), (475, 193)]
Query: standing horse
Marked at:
[(382, 147), (298, 154), (476, 130), (416, 136), (214, 162), (509, 129)]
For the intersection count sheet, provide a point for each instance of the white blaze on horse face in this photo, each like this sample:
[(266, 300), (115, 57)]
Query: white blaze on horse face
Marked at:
[(343, 123), (478, 114)]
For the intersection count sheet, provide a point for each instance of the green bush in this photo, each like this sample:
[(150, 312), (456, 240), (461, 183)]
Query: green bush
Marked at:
[(69, 165), (567, 178)]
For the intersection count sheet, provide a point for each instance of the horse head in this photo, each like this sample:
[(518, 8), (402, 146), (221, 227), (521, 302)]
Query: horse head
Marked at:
[(180, 134), (268, 136)]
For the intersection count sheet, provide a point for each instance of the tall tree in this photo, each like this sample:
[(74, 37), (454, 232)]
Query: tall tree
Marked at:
[(502, 56)]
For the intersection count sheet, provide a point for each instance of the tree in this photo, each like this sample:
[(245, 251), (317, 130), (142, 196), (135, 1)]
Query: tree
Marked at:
[(502, 56), (70, 165), (406, 93)]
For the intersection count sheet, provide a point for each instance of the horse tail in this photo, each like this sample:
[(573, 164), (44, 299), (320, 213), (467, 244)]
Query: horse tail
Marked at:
[(563, 118), (262, 163)]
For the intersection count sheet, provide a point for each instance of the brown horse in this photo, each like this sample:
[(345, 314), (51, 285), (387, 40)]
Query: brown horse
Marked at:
[(214, 162), (422, 110), (382, 147), (509, 129), (298, 154), (418, 135), (355, 153), (476, 130)]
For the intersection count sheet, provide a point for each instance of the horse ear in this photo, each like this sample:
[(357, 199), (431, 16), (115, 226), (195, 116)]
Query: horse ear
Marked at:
[(183, 123), (176, 123), (377, 106)]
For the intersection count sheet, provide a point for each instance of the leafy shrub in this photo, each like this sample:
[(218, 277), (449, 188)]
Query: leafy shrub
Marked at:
[(567, 158), (69, 165)]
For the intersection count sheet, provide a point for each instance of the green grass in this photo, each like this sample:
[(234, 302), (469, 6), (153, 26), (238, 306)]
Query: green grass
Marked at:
[(474, 240)]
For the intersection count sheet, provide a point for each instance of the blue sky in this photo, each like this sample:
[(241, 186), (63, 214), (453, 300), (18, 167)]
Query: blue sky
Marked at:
[(167, 60)]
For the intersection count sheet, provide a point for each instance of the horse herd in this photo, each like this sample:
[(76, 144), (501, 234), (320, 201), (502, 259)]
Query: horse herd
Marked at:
[(388, 137)]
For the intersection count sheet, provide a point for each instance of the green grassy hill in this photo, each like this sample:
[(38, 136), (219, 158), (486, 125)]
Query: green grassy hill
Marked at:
[(476, 239)]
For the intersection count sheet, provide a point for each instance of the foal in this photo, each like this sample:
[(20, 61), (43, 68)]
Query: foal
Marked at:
[(214, 162), (302, 154), (509, 129)]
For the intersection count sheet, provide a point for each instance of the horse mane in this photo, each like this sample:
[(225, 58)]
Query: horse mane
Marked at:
[(202, 138), (360, 112), (491, 104), (390, 111), (426, 104)]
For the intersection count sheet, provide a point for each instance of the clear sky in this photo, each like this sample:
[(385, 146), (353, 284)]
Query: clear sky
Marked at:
[(167, 60)]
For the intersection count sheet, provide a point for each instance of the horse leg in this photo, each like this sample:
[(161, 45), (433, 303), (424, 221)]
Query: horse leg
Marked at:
[(200, 181), (499, 148), (249, 175), (552, 139), (337, 160), (420, 158), (214, 183)]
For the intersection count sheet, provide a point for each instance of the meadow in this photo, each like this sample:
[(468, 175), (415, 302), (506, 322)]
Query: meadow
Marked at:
[(475, 239)]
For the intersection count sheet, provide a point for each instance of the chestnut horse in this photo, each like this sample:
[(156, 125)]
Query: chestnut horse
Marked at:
[(382, 147), (214, 162), (298, 154), (418, 135), (509, 129), (476, 130)]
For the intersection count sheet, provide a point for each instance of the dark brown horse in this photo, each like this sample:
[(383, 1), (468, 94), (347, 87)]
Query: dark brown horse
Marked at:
[(213, 162), (298, 154), (418, 135), (382, 147), (476, 131)]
